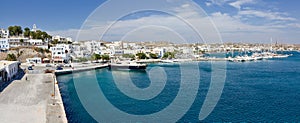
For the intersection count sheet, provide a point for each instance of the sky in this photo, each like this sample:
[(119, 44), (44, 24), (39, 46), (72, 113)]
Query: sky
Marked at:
[(248, 21)]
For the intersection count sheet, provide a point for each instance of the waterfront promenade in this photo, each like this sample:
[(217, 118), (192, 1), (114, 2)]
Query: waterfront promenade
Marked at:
[(32, 100)]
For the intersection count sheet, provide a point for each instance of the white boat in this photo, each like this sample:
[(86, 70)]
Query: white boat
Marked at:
[(182, 60), (280, 56), (127, 66), (167, 61)]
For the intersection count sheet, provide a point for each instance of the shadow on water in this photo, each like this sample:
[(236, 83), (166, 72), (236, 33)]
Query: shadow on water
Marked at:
[(19, 76)]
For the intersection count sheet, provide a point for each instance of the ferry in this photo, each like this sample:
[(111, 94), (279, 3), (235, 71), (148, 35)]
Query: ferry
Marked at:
[(127, 66)]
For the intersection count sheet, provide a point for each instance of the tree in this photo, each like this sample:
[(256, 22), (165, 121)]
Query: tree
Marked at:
[(169, 55), (128, 56), (33, 35), (153, 56), (55, 41), (82, 59), (141, 56), (96, 56), (27, 32), (40, 35), (11, 57), (15, 30), (105, 57)]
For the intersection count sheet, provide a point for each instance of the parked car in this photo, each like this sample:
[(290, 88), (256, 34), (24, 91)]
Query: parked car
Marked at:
[(59, 68), (48, 65), (30, 68)]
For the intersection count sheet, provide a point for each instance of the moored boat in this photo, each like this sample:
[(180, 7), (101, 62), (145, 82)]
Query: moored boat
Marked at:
[(127, 66)]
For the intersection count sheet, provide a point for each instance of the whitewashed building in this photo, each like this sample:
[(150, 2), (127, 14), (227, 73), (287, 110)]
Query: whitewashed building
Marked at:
[(159, 51), (128, 45), (35, 60), (4, 45), (62, 39), (59, 54), (8, 70), (68, 47), (4, 33), (38, 43), (93, 46), (17, 41)]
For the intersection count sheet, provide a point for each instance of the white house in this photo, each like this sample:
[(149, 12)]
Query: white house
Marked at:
[(128, 45), (130, 52), (4, 45), (62, 39), (8, 70), (38, 43), (68, 47), (35, 60), (59, 54), (159, 51), (16, 41), (93, 46), (4, 33)]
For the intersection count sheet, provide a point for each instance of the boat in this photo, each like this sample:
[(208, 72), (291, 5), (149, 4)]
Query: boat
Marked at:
[(127, 66), (167, 61), (280, 56)]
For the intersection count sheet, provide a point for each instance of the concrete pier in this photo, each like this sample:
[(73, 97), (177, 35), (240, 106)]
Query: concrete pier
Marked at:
[(32, 101)]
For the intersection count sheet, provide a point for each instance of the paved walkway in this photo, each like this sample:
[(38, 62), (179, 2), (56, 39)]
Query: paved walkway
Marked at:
[(31, 101)]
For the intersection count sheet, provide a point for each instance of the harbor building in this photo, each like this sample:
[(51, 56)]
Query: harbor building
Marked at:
[(8, 70)]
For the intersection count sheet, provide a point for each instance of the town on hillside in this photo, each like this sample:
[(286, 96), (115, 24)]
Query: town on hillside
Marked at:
[(36, 46)]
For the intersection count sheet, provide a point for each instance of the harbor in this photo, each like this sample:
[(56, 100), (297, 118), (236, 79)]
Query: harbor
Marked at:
[(156, 61), (259, 87)]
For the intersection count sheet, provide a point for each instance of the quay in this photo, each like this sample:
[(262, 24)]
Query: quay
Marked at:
[(33, 99), (79, 69)]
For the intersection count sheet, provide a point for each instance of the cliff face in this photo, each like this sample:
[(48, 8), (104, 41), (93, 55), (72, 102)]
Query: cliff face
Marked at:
[(23, 53), (2, 56)]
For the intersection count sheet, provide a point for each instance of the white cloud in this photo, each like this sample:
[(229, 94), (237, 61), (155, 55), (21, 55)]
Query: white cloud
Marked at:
[(216, 2), (232, 28), (238, 4), (208, 3), (169, 28), (267, 15)]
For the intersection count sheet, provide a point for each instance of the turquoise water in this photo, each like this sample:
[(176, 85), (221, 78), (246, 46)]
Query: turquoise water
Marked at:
[(262, 91)]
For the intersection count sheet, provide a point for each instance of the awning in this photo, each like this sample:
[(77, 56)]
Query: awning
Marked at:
[(46, 59)]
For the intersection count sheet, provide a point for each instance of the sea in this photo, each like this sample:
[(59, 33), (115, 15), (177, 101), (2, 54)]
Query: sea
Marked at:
[(256, 91)]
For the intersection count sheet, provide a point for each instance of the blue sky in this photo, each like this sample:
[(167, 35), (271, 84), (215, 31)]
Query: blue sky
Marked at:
[(47, 14), (235, 20)]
